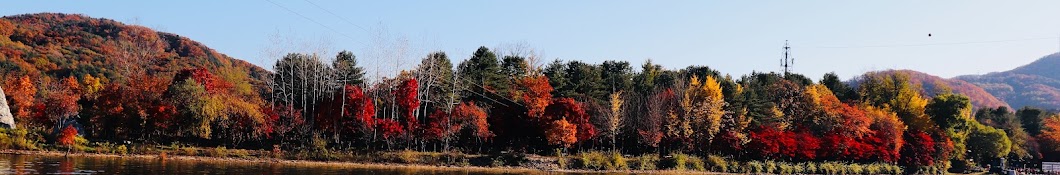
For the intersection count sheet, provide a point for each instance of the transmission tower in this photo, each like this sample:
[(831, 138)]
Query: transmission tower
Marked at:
[(788, 61)]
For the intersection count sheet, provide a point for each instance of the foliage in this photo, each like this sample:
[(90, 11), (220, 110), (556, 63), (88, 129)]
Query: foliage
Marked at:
[(536, 93), (703, 104), (572, 112), (67, 136), (987, 143), (562, 133), (475, 118)]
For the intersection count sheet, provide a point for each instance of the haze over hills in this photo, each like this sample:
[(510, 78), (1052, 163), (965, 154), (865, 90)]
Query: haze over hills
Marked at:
[(1036, 84)]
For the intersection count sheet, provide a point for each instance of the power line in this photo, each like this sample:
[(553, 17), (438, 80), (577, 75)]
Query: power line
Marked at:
[(318, 23), (935, 44), (336, 15)]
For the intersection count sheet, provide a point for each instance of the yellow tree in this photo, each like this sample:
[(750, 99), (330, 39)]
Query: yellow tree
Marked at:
[(615, 117), (703, 102)]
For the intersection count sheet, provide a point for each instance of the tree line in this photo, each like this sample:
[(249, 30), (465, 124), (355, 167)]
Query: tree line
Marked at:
[(489, 103)]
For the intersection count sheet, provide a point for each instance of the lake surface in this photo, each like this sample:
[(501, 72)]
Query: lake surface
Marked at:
[(51, 164)]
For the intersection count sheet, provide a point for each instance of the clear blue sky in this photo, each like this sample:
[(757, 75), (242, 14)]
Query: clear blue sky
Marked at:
[(735, 37)]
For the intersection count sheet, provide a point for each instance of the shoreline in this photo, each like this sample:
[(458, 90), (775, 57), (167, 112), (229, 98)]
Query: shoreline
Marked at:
[(344, 164)]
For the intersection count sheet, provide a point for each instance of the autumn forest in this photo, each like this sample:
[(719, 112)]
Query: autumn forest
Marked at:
[(75, 81)]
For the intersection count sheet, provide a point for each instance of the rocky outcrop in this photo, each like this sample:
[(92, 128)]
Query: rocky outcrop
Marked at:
[(6, 119)]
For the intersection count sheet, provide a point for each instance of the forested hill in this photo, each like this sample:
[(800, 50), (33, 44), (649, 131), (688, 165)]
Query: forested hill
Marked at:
[(52, 46), (1036, 84), (931, 85)]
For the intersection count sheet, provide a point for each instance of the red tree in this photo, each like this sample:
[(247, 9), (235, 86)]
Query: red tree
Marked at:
[(561, 133), (280, 120), (68, 136), (919, 149), (406, 99), (203, 76), (475, 117), (574, 112), (536, 94), (390, 128)]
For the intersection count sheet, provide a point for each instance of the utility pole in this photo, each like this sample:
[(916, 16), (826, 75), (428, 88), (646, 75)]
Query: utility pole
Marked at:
[(788, 61)]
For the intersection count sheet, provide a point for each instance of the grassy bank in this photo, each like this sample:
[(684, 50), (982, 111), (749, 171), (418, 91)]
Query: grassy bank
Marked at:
[(22, 142)]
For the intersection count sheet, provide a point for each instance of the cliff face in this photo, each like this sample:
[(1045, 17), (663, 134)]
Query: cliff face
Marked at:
[(5, 112)]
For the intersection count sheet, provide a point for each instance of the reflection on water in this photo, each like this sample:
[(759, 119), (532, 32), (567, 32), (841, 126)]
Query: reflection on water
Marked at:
[(42, 164)]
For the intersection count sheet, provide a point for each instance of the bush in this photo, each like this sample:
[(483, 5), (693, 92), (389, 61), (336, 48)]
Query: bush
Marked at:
[(769, 167), (219, 151), (755, 167), (679, 160), (810, 168), (79, 144), (717, 163), (619, 161), (407, 156), (647, 161), (736, 167), (240, 153), (122, 150), (561, 159), (497, 162), (594, 160), (189, 151), (785, 168), (697, 163), (22, 139)]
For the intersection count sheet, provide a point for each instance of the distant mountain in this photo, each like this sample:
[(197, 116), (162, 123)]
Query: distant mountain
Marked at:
[(932, 85), (57, 45), (1036, 84)]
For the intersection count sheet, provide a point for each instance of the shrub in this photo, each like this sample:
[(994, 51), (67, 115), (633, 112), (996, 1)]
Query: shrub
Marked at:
[(785, 168), (219, 151), (497, 162), (189, 151), (79, 143), (755, 167), (240, 153), (5, 141), (23, 139), (856, 168), (697, 163), (647, 161), (717, 163), (453, 158), (799, 168), (594, 160), (828, 168), (770, 167), (736, 167), (810, 168), (122, 150), (619, 161), (679, 160), (561, 159), (407, 156)]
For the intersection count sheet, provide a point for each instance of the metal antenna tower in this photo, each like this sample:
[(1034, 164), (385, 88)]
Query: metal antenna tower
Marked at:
[(788, 60)]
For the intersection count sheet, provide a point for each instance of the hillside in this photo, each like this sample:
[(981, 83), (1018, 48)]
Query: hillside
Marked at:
[(930, 86), (58, 45), (1036, 84)]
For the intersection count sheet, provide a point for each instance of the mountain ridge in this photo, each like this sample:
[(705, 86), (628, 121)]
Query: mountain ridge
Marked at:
[(1036, 84)]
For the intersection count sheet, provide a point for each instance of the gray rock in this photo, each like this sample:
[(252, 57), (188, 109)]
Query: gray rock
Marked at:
[(6, 119)]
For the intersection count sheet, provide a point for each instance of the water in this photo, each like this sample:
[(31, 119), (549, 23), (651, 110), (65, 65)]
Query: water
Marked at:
[(49, 164)]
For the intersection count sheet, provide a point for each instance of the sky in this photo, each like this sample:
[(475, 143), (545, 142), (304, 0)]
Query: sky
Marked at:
[(734, 37)]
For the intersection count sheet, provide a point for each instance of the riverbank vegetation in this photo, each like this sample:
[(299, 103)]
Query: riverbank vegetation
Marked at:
[(163, 94)]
